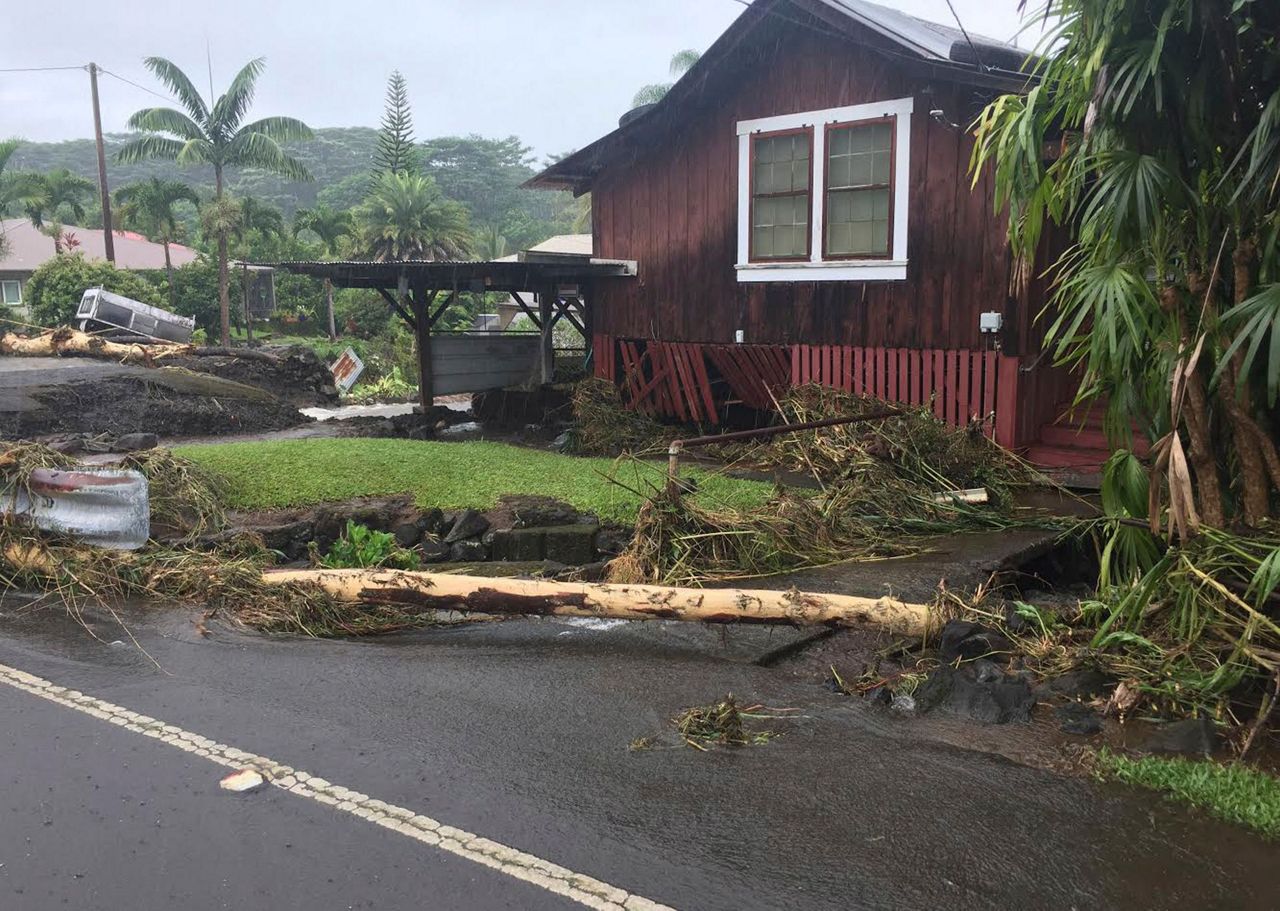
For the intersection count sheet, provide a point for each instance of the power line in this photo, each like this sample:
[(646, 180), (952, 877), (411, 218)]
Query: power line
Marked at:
[(134, 84), (42, 69), (963, 31)]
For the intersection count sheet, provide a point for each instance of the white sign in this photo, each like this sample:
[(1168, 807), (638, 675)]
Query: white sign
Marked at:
[(346, 370)]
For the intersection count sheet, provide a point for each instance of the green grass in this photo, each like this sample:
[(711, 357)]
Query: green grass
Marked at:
[(1236, 793), (265, 475)]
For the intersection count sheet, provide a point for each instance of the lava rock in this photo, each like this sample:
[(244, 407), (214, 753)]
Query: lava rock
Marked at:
[(1078, 718), (407, 534), (966, 640), (432, 549), (468, 551), (1189, 737), (135, 442), (429, 521), (902, 704), (612, 540), (470, 524), (976, 693), (1081, 683)]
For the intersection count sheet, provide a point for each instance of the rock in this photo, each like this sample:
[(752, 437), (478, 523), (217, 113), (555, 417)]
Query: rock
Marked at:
[(902, 704), (432, 549), (967, 640), (976, 693), (69, 446), (468, 551), (447, 520), (518, 544), (1189, 737), (1078, 718), (470, 524), (407, 534), (1080, 683), (881, 695), (429, 521), (570, 544), (135, 442), (289, 538), (612, 540)]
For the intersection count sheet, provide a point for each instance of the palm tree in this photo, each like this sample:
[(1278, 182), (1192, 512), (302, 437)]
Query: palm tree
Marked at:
[(50, 195), (16, 190), (491, 243), (262, 217), (215, 135), (681, 63), (405, 216), (148, 205), (332, 227)]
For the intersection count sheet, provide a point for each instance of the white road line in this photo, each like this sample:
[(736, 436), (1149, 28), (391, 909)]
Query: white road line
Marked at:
[(534, 870)]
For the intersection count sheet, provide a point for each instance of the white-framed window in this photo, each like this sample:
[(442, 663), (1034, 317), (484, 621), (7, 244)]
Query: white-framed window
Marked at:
[(11, 292), (822, 195)]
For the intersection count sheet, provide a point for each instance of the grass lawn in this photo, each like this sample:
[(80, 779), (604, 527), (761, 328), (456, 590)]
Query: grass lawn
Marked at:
[(1235, 793), (264, 475)]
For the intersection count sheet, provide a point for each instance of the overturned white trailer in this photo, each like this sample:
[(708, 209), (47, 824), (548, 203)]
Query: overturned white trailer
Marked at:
[(99, 307)]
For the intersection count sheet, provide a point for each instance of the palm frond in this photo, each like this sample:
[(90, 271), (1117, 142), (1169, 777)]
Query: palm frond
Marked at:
[(183, 89), (281, 129), (231, 107), (145, 148), (257, 150), (166, 120)]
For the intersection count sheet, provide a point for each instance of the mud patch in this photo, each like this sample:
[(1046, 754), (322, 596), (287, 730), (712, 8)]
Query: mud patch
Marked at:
[(168, 401)]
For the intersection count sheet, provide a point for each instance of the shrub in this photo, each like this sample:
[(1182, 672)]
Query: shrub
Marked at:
[(54, 290), (361, 547)]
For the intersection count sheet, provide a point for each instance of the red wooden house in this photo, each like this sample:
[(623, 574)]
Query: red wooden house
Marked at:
[(800, 208)]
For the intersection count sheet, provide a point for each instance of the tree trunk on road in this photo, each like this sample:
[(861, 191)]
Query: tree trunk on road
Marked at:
[(441, 591)]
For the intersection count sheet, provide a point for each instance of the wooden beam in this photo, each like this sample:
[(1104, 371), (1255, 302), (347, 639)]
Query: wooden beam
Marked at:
[(563, 310), (547, 349), (453, 295), (528, 311), (426, 379), (399, 308)]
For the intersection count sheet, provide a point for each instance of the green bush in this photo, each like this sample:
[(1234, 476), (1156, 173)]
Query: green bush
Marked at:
[(54, 290), (360, 547), (196, 287)]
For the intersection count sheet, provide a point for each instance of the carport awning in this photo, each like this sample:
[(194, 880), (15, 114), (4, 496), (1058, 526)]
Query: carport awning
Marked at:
[(533, 272)]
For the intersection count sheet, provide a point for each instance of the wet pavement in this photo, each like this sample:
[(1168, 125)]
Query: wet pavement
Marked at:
[(519, 732)]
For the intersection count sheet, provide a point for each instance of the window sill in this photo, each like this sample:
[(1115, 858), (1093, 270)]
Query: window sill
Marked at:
[(864, 270)]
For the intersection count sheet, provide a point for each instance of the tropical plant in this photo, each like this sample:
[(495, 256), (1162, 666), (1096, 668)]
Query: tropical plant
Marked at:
[(491, 243), (681, 63), (1165, 115), (396, 152), (50, 197), (215, 135), (407, 217), (148, 206), (332, 228), (360, 547)]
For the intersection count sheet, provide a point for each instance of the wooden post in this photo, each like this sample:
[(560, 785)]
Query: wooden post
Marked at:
[(588, 328), (547, 350), (248, 313), (426, 383), (108, 239)]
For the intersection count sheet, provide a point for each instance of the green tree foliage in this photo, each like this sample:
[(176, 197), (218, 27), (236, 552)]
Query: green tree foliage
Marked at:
[(407, 217), (397, 152), (54, 290), (148, 207), (50, 199), (1168, 113), (215, 135), (681, 63), (331, 227), (485, 176)]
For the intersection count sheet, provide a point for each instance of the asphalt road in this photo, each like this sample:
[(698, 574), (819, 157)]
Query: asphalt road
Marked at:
[(519, 733)]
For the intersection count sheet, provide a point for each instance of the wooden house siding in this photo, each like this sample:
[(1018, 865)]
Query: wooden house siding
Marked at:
[(674, 209)]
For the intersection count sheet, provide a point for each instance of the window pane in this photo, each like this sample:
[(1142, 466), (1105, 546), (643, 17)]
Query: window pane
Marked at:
[(859, 156), (857, 222), (10, 292)]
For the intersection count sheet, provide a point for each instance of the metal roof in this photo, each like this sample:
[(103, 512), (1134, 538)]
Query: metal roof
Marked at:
[(987, 62), (491, 275), (29, 247)]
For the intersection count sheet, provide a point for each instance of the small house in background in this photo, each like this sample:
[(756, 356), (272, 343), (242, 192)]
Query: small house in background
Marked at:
[(800, 209), (560, 245), (29, 248)]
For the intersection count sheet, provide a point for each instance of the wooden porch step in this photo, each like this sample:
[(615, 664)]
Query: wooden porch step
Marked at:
[(1077, 459)]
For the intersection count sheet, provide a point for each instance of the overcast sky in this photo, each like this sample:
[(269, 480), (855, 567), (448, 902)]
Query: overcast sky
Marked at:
[(557, 73)]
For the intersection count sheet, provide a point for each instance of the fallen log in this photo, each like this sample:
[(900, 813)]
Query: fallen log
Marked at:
[(442, 591), (73, 342)]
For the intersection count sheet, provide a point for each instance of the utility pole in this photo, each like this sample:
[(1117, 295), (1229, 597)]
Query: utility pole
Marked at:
[(107, 238)]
